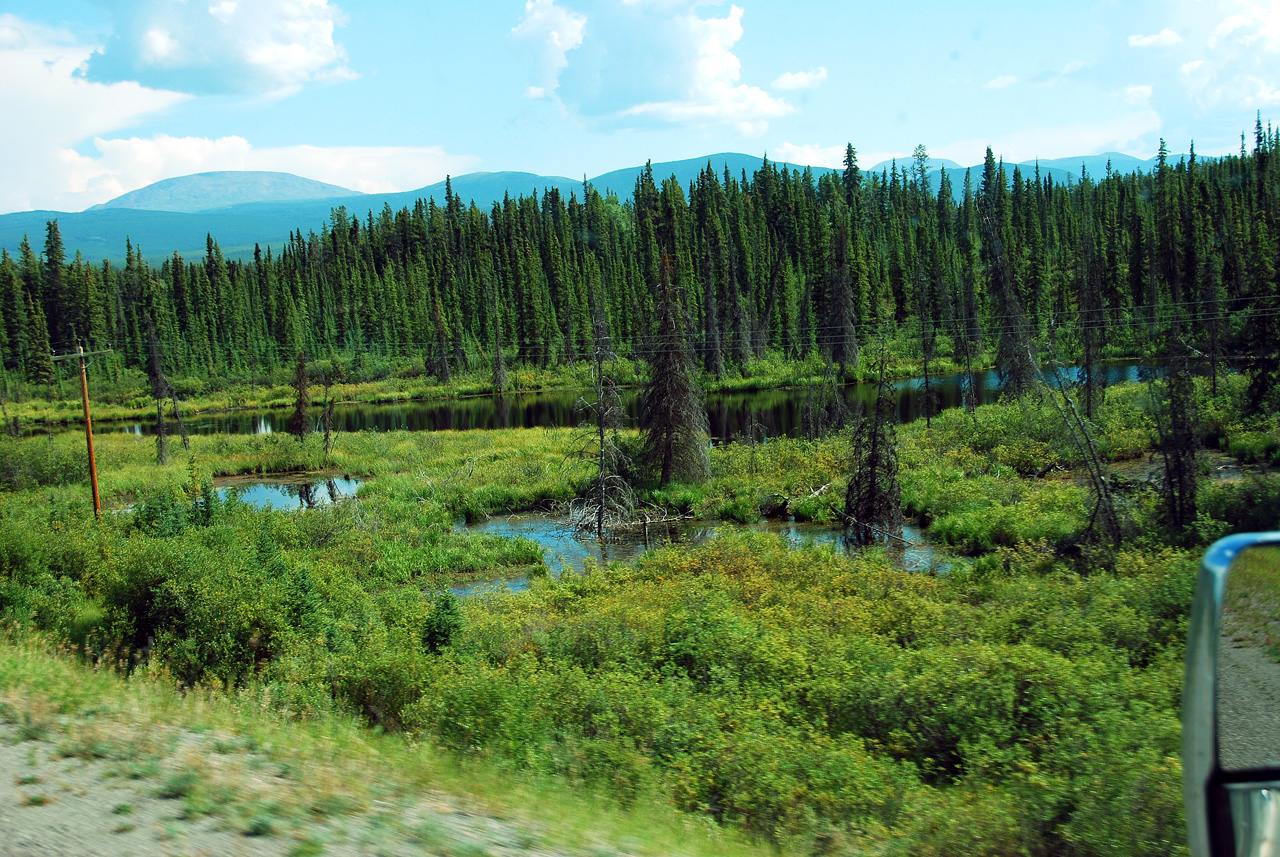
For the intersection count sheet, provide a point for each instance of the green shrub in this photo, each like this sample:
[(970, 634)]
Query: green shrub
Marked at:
[(443, 622), (1250, 505), (1255, 447)]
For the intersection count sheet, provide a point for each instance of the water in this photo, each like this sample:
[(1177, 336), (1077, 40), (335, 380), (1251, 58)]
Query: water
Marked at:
[(288, 492), (566, 548), (771, 413)]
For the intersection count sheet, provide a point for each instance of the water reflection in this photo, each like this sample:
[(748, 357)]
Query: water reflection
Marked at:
[(288, 493), (565, 548), (770, 413)]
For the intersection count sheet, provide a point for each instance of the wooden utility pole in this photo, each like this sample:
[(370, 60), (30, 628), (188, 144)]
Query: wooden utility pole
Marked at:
[(80, 355)]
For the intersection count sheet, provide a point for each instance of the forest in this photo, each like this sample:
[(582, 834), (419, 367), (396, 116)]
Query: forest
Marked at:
[(1019, 696), (982, 269)]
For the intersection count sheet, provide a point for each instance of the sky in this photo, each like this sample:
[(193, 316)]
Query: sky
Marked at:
[(100, 97)]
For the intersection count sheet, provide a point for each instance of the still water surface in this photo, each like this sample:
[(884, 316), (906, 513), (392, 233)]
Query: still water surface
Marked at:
[(566, 549), (563, 547), (771, 413), (288, 492)]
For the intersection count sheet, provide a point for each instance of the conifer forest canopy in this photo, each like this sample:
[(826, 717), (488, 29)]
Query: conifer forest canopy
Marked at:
[(774, 260)]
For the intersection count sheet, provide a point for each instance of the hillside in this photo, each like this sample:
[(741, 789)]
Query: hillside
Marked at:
[(212, 191)]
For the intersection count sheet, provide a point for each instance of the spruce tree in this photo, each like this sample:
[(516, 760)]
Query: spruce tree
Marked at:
[(673, 420), (39, 358), (13, 308), (59, 303)]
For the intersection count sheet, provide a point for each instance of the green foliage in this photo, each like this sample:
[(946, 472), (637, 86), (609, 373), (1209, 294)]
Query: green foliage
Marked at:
[(1020, 703), (443, 622), (25, 465), (1249, 505), (802, 693)]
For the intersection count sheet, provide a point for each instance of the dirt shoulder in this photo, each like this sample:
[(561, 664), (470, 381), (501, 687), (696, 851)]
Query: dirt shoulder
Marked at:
[(94, 765), (80, 792)]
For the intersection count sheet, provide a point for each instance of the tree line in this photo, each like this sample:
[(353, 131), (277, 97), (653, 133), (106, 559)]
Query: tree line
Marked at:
[(779, 260)]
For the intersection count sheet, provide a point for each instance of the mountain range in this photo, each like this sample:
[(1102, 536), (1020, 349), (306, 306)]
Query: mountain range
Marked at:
[(244, 209)]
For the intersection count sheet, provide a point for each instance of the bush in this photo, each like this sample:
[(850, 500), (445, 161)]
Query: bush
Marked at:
[(26, 464), (1249, 505), (1255, 447), (443, 622)]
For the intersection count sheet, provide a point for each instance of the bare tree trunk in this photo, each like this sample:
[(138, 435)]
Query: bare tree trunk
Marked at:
[(162, 434)]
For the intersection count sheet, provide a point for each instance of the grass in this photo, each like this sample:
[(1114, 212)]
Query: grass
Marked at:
[(338, 767)]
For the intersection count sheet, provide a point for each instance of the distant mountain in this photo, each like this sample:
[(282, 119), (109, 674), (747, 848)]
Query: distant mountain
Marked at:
[(241, 210), (213, 191)]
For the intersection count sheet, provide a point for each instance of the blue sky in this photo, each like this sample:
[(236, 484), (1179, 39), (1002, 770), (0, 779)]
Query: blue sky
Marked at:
[(105, 96)]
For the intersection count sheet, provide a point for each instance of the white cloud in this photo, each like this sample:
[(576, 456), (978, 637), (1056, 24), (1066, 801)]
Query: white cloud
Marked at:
[(122, 165), (1237, 65), (268, 46), (811, 155), (44, 95), (557, 31), (11, 38), (223, 11), (1255, 25), (158, 46), (1262, 93), (801, 79), (1166, 38), (1072, 67), (1137, 94), (1001, 82), (713, 92)]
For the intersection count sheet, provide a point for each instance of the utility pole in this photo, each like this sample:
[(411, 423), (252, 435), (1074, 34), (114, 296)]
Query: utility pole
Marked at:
[(80, 355)]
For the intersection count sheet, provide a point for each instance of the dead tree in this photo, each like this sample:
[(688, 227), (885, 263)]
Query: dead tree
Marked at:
[(327, 417), (1105, 519), (1175, 412), (162, 389), (299, 425), (1093, 324), (824, 410), (610, 502), (873, 500)]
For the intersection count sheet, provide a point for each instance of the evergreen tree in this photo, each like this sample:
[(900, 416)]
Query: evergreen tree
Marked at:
[(60, 306), (13, 310), (673, 421)]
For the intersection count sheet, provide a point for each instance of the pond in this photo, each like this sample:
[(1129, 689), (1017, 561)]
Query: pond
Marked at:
[(287, 492), (566, 548), (769, 413)]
